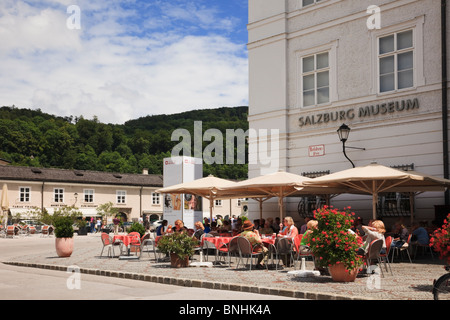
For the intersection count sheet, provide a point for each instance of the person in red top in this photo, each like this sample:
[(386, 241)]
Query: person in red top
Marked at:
[(289, 230)]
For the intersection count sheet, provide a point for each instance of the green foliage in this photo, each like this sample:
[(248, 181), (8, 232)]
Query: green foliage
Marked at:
[(107, 209), (179, 243), (63, 227), (33, 138), (137, 227)]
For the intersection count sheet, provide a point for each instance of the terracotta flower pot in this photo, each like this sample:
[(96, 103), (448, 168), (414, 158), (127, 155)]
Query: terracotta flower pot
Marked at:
[(176, 262), (339, 273), (64, 246)]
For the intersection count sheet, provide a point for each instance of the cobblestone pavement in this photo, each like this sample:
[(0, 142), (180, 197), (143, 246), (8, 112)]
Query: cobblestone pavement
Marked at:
[(408, 282)]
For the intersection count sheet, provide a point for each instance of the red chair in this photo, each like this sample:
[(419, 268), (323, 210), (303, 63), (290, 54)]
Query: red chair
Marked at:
[(107, 243)]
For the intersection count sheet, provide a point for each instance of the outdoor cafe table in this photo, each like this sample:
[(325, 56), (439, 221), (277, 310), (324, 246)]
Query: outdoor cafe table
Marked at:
[(217, 241), (126, 240)]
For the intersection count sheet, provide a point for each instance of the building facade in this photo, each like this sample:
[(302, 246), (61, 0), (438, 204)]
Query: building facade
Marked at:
[(378, 66), (134, 195)]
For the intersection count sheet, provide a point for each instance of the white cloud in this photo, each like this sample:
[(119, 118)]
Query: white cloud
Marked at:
[(105, 69)]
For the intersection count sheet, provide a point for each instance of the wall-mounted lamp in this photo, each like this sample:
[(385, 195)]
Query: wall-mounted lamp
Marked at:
[(343, 133), (76, 197)]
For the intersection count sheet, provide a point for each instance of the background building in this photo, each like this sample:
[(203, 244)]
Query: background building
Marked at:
[(377, 66), (133, 194)]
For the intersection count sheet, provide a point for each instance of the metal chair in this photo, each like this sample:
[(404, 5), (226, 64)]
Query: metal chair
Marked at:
[(424, 248), (107, 243), (145, 242), (284, 248), (298, 254), (373, 253), (397, 250), (228, 250), (207, 246), (247, 251), (135, 243), (11, 231)]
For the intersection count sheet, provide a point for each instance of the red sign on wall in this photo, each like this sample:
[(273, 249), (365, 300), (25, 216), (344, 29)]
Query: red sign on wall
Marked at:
[(316, 151)]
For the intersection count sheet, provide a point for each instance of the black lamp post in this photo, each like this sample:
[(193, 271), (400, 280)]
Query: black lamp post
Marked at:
[(343, 133)]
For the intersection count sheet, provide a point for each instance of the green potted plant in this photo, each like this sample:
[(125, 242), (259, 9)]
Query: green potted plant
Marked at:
[(137, 227), (180, 246), (63, 220), (333, 245), (64, 235), (82, 229)]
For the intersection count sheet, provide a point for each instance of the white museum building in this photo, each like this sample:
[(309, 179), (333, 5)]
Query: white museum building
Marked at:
[(378, 66)]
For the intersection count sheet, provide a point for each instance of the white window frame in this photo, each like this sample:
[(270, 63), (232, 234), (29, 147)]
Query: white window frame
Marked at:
[(218, 203), (331, 48), (416, 25), (58, 195), (25, 194), (121, 197), (156, 198), (90, 193), (395, 53)]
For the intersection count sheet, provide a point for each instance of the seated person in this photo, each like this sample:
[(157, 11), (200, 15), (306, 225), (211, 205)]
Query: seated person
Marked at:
[(401, 235), (375, 231), (267, 229), (226, 226), (304, 247), (179, 227), (199, 230), (160, 231), (253, 237), (289, 230), (420, 235)]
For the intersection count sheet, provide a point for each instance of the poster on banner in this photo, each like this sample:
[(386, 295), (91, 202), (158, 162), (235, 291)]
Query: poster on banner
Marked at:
[(185, 207)]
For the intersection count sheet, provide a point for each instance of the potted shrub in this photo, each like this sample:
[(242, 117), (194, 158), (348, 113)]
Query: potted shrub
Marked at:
[(64, 235), (82, 227), (440, 241), (333, 245), (137, 227), (180, 246)]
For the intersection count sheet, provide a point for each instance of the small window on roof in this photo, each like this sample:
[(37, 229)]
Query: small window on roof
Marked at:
[(36, 170)]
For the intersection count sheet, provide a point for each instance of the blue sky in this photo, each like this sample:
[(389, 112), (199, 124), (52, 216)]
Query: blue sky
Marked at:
[(130, 58)]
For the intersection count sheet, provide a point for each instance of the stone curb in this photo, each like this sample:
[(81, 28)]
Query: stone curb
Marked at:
[(194, 283)]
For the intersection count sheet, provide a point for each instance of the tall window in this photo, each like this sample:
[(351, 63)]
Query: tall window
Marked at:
[(58, 195), (396, 61), (88, 195), (121, 196), (155, 198), (315, 79), (218, 202), (24, 194)]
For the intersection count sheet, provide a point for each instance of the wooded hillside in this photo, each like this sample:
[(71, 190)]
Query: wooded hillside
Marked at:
[(33, 138)]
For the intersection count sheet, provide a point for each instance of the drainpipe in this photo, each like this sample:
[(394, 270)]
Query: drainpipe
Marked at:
[(444, 94)]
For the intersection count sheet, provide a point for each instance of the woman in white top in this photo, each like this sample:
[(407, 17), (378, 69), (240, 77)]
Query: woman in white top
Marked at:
[(290, 230), (373, 232)]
